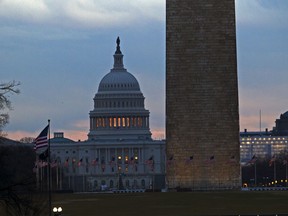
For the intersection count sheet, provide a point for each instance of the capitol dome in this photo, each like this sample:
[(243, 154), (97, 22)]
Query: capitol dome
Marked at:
[(119, 81), (119, 111)]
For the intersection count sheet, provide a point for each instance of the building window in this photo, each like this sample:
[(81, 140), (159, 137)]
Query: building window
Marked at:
[(126, 159), (139, 122), (134, 121), (115, 122), (127, 183), (135, 185), (143, 183), (128, 122), (119, 159), (110, 122)]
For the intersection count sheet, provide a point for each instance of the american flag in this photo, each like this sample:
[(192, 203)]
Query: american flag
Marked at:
[(80, 162), (170, 161), (189, 160), (95, 162), (66, 162), (42, 141), (253, 160), (232, 159), (210, 160), (131, 161), (54, 164), (272, 160), (112, 161), (150, 163)]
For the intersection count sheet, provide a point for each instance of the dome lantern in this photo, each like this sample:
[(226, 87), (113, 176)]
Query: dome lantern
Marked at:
[(118, 57)]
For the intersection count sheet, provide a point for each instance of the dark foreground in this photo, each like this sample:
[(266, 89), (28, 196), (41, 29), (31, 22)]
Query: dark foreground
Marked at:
[(174, 204)]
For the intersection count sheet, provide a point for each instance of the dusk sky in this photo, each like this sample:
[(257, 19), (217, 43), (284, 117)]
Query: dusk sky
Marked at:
[(60, 50)]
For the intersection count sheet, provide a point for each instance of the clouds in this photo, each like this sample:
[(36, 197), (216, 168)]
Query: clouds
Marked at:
[(32, 10), (83, 13), (264, 13), (60, 49)]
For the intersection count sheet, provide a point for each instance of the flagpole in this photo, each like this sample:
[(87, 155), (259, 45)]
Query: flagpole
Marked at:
[(275, 173), (255, 170), (286, 173), (260, 121), (49, 171)]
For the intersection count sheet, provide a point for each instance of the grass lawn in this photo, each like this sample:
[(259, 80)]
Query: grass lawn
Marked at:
[(173, 203)]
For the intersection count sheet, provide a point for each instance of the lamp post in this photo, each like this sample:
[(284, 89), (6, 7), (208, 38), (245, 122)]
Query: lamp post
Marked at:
[(57, 211)]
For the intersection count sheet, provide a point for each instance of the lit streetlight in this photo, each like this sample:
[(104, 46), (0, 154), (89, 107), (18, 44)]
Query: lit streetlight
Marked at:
[(57, 211)]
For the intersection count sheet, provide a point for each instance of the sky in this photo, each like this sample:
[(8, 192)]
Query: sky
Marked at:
[(60, 50)]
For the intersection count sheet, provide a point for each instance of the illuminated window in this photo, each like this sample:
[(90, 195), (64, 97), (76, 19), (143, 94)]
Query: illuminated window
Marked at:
[(119, 122), (139, 122), (128, 121), (110, 122), (99, 122), (134, 121), (123, 122), (115, 122)]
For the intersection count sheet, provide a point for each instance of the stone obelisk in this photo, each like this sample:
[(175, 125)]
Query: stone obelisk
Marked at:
[(202, 113)]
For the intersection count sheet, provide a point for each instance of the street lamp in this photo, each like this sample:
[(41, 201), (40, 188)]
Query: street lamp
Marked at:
[(57, 211)]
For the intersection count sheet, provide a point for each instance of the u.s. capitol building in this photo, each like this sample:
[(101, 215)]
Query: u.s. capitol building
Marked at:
[(119, 152)]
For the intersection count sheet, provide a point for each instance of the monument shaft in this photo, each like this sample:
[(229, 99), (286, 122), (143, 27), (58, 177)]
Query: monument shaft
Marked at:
[(202, 124)]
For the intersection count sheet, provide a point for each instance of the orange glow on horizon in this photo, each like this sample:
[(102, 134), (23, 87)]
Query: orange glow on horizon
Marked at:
[(75, 135)]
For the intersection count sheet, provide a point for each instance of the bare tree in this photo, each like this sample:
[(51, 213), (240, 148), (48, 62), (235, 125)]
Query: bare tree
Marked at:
[(18, 192), (5, 103)]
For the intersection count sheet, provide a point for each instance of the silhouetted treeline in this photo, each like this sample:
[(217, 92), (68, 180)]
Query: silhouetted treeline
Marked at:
[(18, 191)]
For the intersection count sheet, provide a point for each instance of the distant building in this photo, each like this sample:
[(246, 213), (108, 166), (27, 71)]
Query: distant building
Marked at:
[(119, 152), (265, 144), (281, 127)]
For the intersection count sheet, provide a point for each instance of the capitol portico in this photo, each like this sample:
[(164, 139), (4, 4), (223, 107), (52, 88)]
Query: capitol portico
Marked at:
[(119, 152)]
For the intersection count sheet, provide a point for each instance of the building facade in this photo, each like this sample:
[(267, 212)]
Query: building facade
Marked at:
[(265, 144), (119, 152), (202, 127)]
